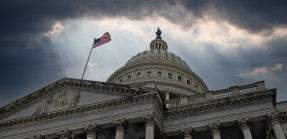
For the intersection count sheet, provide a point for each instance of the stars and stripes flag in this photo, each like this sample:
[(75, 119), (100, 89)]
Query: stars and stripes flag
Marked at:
[(104, 39), (97, 42)]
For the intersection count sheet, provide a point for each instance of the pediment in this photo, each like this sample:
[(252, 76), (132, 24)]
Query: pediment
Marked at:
[(64, 98), (63, 95)]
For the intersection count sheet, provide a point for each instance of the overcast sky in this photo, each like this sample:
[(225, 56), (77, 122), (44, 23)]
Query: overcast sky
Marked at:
[(225, 42)]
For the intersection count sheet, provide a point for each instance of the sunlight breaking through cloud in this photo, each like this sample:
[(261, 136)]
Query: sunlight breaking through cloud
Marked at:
[(261, 70), (56, 29)]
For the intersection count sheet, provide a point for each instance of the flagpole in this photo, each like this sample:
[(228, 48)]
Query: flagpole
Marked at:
[(87, 63)]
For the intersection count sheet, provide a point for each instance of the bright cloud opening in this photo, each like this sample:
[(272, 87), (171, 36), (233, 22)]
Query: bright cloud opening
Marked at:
[(261, 70), (56, 29)]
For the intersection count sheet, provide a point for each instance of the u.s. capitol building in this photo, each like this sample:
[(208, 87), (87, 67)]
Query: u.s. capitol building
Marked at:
[(155, 95)]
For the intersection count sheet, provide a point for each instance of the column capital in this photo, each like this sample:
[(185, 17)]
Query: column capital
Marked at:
[(161, 135), (214, 128), (149, 119), (244, 123), (37, 136), (187, 133), (121, 125), (64, 134), (273, 118), (92, 130)]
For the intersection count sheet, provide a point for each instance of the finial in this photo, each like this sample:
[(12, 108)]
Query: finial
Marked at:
[(158, 33)]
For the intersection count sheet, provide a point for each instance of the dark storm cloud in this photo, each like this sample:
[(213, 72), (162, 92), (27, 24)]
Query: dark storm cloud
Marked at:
[(28, 59), (253, 15)]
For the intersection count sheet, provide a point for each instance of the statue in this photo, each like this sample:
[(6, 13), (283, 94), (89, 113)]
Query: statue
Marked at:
[(158, 33)]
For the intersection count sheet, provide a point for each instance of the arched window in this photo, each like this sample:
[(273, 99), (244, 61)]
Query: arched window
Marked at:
[(159, 74), (121, 80), (139, 75), (148, 74), (129, 77), (169, 75), (188, 82), (179, 78)]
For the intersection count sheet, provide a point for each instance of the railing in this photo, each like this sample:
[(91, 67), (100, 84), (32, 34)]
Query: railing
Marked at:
[(196, 98), (211, 95), (222, 94)]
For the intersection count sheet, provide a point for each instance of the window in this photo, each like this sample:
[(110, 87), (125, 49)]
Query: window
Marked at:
[(159, 74), (148, 74), (169, 75), (139, 75), (129, 77), (121, 80), (179, 78), (188, 82)]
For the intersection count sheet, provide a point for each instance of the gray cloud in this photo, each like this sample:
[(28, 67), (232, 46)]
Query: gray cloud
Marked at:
[(29, 60), (255, 15)]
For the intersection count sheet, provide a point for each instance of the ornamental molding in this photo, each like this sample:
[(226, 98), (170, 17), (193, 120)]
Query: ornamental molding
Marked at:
[(58, 102), (244, 124), (153, 64), (64, 134), (220, 104), (273, 118), (112, 88), (149, 119), (121, 125), (214, 128), (92, 130), (101, 106), (187, 133)]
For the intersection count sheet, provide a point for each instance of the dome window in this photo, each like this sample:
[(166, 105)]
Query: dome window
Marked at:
[(129, 77), (188, 82), (139, 75), (179, 78), (159, 74), (169, 75), (148, 74)]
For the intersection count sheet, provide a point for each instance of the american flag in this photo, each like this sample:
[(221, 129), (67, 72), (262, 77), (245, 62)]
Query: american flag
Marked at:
[(104, 39)]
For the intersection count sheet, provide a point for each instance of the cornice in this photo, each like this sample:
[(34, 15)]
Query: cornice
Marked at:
[(223, 103), (121, 89), (101, 106)]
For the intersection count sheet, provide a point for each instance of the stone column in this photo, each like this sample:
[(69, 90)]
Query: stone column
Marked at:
[(64, 134), (149, 123), (121, 126), (245, 127), (166, 96), (215, 130), (92, 130), (274, 121), (187, 133)]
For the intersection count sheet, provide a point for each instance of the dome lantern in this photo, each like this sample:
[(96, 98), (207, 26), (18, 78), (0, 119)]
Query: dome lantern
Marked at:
[(158, 43)]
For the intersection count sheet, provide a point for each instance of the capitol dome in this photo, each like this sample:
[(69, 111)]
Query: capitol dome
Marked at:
[(171, 75)]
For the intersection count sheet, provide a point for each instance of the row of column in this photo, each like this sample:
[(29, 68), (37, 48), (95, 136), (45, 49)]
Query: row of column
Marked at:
[(93, 130), (244, 125), (121, 126)]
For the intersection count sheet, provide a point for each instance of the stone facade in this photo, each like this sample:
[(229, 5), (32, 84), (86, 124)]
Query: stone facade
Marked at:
[(151, 106)]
